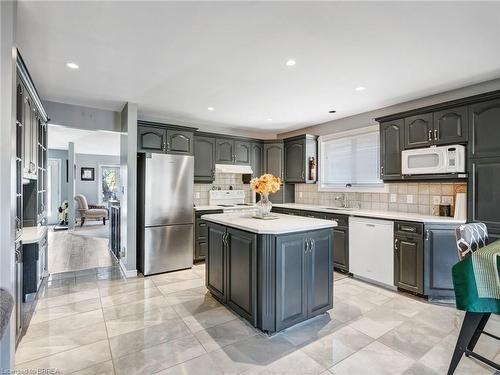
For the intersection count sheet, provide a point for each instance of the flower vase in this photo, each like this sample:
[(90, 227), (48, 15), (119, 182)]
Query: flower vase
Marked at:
[(264, 205)]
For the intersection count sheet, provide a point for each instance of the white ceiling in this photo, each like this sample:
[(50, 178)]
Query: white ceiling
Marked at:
[(97, 142), (176, 59)]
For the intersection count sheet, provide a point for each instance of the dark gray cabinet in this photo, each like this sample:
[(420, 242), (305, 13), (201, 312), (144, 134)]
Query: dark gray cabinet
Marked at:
[(450, 126), (297, 154), (151, 139), (484, 119), (242, 152), (179, 142), (204, 159), (273, 164), (256, 158), (483, 192), (391, 145), (408, 257), (418, 131), (164, 138), (242, 272), (201, 235), (215, 273), (440, 254), (231, 151), (304, 284)]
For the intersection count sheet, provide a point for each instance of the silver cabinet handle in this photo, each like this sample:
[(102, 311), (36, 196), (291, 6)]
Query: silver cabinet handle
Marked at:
[(436, 135), (382, 170), (395, 244), (307, 246), (313, 246), (303, 175), (430, 135)]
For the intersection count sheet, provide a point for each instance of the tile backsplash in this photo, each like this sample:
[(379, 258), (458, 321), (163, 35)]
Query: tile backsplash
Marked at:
[(422, 198), (222, 180)]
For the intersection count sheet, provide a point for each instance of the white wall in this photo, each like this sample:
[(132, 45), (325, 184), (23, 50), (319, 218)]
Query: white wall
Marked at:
[(91, 189), (8, 18), (368, 118), (128, 174)]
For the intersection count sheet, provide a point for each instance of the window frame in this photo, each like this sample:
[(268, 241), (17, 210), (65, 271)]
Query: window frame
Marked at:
[(358, 188)]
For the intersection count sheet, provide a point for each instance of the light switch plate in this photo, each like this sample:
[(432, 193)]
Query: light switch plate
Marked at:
[(394, 198), (436, 199), (300, 194), (409, 198)]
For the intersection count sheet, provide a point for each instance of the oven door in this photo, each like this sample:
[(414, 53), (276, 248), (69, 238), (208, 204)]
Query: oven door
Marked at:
[(424, 161)]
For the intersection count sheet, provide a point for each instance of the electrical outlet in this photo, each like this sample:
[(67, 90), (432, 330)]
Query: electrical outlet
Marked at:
[(409, 198), (300, 194), (436, 199), (394, 198)]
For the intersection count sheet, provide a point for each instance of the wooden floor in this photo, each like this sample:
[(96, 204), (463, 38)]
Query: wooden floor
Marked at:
[(83, 248)]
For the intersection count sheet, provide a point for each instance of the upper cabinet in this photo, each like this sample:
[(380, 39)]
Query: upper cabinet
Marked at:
[(230, 151), (257, 158), (391, 145), (160, 138), (450, 126), (484, 127), (179, 142), (273, 158), (298, 152), (28, 116), (418, 131), (204, 159), (151, 139)]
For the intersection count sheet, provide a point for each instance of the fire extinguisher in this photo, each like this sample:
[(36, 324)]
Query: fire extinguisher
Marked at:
[(312, 169)]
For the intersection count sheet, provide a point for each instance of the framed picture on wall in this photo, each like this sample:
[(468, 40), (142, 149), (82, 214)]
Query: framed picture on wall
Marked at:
[(87, 174)]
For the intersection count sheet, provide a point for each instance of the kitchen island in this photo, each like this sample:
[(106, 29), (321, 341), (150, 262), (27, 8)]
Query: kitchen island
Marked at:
[(274, 273)]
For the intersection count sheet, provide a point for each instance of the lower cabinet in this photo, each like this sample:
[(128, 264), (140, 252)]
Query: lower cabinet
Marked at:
[(408, 257), (341, 246), (201, 235), (304, 284)]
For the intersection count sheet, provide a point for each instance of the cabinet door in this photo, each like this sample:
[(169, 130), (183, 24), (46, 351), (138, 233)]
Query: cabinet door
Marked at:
[(242, 271), (28, 166), (215, 278), (256, 155), (241, 152), (35, 122), (483, 196), (179, 142), (151, 139), (341, 249), (418, 131), (273, 159), (409, 264), (440, 254), (391, 145), (320, 270), (295, 161), (450, 126), (484, 119), (291, 285), (224, 151), (204, 159)]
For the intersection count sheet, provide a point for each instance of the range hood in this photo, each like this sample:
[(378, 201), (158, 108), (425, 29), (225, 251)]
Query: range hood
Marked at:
[(233, 168)]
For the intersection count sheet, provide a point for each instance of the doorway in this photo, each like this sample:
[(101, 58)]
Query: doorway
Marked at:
[(53, 190)]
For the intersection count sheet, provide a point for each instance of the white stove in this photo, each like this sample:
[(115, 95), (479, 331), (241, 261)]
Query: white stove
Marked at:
[(229, 200)]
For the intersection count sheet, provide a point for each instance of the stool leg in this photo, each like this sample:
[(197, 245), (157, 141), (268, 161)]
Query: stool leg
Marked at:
[(480, 328), (470, 325)]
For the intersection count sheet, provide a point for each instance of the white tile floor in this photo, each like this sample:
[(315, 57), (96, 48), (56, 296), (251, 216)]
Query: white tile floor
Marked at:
[(96, 322)]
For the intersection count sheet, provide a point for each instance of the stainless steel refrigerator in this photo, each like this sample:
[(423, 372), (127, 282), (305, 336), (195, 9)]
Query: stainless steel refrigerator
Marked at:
[(165, 206)]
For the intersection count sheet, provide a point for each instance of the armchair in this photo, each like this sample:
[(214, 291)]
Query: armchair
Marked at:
[(90, 211)]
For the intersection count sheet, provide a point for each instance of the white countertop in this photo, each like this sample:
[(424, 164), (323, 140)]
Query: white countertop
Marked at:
[(390, 215), (284, 223), (33, 234)]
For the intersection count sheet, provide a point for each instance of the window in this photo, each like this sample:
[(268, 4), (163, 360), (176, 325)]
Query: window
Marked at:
[(350, 161), (109, 183)]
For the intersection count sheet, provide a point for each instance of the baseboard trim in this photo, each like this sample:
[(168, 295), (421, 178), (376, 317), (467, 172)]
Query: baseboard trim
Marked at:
[(126, 272)]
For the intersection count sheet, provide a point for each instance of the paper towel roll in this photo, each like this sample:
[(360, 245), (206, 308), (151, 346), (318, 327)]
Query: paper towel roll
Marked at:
[(461, 206)]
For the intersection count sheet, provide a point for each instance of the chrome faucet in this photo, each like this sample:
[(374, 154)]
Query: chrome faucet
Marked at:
[(343, 200)]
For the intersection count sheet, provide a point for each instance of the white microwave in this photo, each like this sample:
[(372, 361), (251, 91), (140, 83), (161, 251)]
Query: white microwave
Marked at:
[(433, 160)]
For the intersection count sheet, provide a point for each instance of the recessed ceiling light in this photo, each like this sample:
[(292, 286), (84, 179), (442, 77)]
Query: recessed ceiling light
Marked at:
[(211, 108), (360, 88), (290, 62), (269, 119), (332, 111), (72, 65)]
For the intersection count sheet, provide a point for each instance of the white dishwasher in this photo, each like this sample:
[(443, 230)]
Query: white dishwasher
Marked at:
[(371, 254)]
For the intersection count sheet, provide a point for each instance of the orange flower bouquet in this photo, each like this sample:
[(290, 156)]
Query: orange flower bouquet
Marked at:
[(264, 185)]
